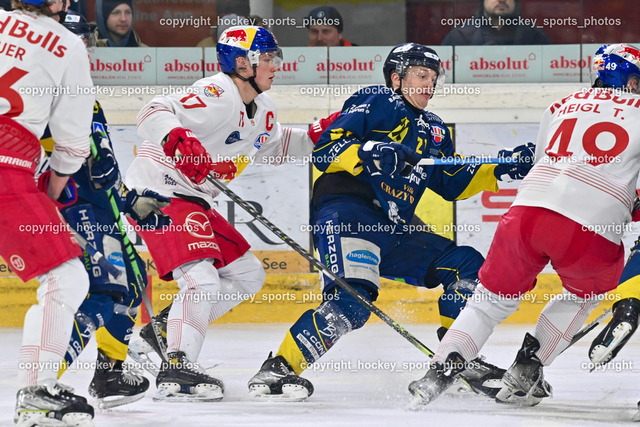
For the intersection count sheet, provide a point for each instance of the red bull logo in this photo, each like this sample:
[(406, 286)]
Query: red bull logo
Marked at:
[(239, 37), (213, 90), (634, 54), (598, 64)]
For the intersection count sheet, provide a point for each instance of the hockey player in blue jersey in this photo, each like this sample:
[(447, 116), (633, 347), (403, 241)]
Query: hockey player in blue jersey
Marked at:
[(111, 306), (363, 205)]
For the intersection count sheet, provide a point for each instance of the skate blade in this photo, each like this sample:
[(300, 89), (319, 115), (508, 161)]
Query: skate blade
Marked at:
[(420, 398), (139, 351), (290, 393), (172, 392), (510, 396), (115, 401), (602, 354), (29, 418)]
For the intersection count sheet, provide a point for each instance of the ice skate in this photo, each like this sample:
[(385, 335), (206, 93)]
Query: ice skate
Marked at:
[(636, 416), (482, 377), (524, 383), (276, 380), (616, 334), (51, 406), (438, 378), (181, 380), (140, 349), (116, 385)]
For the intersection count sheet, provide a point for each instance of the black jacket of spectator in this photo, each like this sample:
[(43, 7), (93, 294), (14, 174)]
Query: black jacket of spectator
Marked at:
[(487, 35)]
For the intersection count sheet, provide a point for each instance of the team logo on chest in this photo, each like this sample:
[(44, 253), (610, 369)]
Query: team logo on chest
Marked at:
[(233, 137), (213, 90), (261, 139), (437, 133)]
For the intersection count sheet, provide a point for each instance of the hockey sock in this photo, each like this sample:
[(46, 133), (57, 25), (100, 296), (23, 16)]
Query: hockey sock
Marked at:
[(475, 324), (47, 325), (560, 319), (94, 311), (316, 331)]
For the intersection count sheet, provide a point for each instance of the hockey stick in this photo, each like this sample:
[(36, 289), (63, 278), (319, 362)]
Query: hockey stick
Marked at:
[(340, 281), (588, 328), (132, 260), (455, 161)]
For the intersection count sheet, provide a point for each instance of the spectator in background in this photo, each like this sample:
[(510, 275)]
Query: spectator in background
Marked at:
[(115, 24), (230, 13), (494, 26), (325, 26)]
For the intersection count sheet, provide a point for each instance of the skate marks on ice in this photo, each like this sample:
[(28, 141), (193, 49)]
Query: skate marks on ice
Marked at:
[(368, 391)]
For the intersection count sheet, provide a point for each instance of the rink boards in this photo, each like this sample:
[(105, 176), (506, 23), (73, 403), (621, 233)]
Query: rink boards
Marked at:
[(284, 297)]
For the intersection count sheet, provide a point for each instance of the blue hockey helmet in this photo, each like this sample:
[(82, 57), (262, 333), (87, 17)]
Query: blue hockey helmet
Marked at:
[(79, 26), (34, 2), (613, 65), (246, 41), (405, 55)]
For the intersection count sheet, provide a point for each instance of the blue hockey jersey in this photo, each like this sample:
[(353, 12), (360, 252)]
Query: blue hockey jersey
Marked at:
[(376, 113)]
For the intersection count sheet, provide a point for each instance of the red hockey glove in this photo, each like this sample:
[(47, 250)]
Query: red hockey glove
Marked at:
[(224, 170), (189, 155), (320, 125)]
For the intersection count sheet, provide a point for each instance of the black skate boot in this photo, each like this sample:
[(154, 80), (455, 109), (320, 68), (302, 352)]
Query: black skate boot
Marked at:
[(181, 380), (148, 335), (41, 405), (616, 334), (114, 386), (140, 349), (636, 416), (438, 378), (483, 377), (276, 380), (524, 383)]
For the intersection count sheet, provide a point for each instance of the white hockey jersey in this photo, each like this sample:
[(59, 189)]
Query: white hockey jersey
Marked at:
[(587, 160), (45, 79), (213, 110)]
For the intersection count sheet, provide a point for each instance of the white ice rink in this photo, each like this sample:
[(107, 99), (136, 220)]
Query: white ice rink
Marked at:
[(364, 384)]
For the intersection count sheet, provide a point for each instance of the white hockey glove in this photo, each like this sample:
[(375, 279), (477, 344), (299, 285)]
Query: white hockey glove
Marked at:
[(145, 208)]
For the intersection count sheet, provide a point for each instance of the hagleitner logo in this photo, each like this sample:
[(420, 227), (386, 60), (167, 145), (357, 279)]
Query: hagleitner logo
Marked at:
[(365, 257), (17, 262), (197, 224)]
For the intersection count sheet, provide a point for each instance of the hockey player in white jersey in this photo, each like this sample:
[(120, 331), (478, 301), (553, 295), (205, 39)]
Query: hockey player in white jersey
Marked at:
[(570, 211), (222, 124), (44, 75)]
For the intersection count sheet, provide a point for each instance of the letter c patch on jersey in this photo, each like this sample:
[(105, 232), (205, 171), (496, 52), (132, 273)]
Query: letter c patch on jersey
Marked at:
[(269, 121)]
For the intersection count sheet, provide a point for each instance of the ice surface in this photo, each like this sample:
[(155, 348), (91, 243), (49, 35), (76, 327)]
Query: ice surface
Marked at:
[(363, 383)]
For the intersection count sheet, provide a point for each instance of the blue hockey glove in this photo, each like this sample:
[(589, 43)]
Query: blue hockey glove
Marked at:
[(103, 172), (145, 208), (387, 158), (525, 155)]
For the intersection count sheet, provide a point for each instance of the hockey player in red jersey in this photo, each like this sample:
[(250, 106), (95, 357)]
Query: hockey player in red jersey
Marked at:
[(222, 124), (39, 53), (570, 210)]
